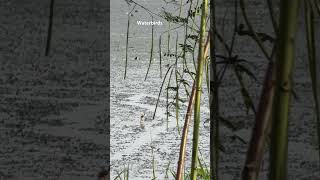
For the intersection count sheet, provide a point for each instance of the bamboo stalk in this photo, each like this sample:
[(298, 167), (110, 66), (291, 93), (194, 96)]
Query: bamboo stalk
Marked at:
[(261, 128), (184, 137), (199, 74), (284, 66)]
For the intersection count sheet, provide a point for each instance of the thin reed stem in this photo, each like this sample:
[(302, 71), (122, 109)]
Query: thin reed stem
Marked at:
[(184, 137), (151, 50), (127, 43)]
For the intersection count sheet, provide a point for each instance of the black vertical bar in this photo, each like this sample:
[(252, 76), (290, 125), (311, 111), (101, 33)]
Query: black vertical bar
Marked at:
[(49, 28)]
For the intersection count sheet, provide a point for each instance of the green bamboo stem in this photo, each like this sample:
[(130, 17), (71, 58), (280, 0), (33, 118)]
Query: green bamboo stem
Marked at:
[(201, 59), (185, 130), (284, 66)]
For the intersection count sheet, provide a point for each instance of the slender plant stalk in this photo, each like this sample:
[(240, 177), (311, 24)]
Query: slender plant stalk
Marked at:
[(284, 66), (127, 43), (167, 106), (177, 85), (151, 50), (153, 160), (168, 40), (201, 59), (158, 99), (160, 56), (310, 33), (261, 128), (153, 166), (184, 137), (49, 35), (183, 143)]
